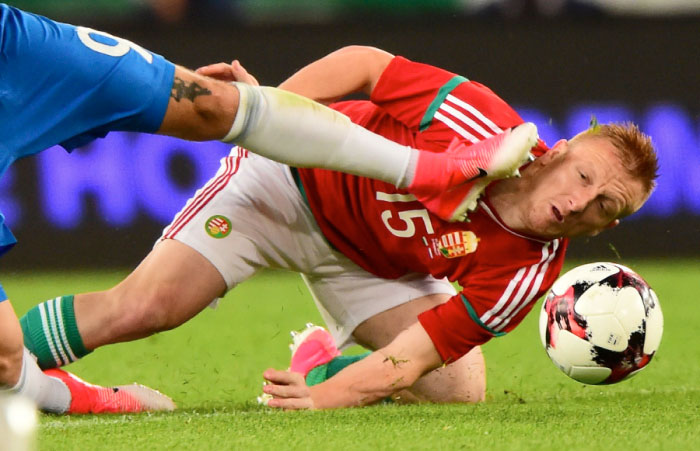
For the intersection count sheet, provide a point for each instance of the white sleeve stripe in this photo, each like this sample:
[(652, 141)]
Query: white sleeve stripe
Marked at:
[(495, 318), (507, 303), (535, 287), (453, 125), (505, 296), (478, 114), (466, 119), (524, 285)]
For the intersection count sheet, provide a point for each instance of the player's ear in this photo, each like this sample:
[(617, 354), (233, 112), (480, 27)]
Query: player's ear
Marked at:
[(559, 148)]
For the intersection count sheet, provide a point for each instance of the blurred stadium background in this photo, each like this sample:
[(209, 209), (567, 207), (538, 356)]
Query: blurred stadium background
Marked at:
[(559, 62)]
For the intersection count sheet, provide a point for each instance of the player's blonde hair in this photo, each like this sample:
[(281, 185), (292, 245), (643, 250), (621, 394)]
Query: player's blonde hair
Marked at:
[(635, 150)]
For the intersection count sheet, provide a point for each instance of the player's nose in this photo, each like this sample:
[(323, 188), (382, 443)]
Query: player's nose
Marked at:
[(578, 200)]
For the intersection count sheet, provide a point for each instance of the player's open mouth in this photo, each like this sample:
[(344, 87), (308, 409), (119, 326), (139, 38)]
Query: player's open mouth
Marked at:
[(557, 214)]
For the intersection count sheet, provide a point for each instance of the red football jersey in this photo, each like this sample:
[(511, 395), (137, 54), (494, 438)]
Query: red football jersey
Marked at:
[(387, 232)]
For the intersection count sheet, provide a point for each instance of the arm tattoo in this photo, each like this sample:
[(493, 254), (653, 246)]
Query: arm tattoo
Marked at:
[(182, 90)]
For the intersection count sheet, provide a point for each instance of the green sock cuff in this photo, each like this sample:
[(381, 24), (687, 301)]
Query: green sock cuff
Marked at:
[(51, 333), (71, 326), (34, 338), (324, 372), (317, 375), (336, 365)]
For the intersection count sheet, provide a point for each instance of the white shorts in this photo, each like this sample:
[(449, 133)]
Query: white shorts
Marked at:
[(251, 216)]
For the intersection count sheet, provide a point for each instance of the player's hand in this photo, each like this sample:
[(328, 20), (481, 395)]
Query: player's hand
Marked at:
[(228, 72), (288, 390)]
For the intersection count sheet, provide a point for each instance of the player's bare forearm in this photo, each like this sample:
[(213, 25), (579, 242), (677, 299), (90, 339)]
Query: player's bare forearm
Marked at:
[(352, 69), (363, 383), (384, 372), (367, 382)]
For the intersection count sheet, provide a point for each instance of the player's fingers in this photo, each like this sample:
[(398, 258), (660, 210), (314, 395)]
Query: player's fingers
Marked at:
[(286, 391), (283, 377), (213, 68), (220, 71), (242, 75)]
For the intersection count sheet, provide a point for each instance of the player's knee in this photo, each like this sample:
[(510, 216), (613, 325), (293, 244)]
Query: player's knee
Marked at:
[(10, 364), (471, 387)]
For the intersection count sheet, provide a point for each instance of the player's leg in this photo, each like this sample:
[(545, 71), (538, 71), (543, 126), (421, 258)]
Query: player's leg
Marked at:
[(171, 285), (248, 216), (277, 124), (199, 108), (430, 176), (10, 345), (20, 374), (184, 273), (281, 126), (297, 131), (59, 391), (177, 279)]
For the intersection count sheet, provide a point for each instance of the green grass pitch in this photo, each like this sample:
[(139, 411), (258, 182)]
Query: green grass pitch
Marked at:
[(212, 367)]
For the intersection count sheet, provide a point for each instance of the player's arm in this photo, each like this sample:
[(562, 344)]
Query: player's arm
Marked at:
[(352, 69), (349, 70), (390, 369)]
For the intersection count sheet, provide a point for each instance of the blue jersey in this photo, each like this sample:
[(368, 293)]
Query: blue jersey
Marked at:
[(67, 85)]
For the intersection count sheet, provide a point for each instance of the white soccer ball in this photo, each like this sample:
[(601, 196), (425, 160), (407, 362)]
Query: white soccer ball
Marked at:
[(601, 323), (19, 420)]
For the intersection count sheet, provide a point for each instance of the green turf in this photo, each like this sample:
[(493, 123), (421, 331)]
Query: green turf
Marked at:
[(211, 367)]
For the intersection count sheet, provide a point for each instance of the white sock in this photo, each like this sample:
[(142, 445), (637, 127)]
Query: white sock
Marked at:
[(49, 394), (299, 132)]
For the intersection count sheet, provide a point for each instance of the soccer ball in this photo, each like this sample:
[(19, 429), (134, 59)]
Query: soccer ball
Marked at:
[(601, 323)]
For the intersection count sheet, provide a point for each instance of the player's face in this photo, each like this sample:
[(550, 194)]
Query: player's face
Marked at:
[(580, 189)]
